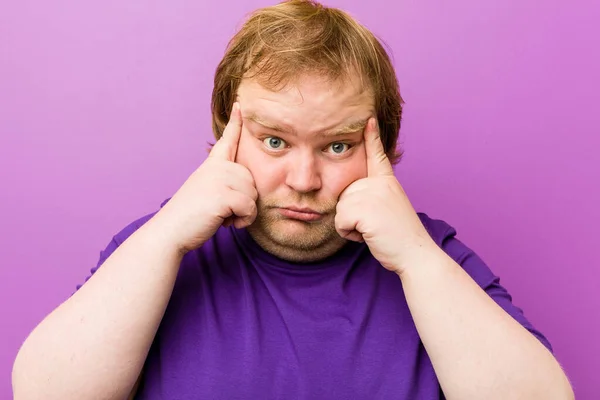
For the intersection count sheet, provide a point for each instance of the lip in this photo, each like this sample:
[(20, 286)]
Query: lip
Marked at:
[(300, 213), (302, 210)]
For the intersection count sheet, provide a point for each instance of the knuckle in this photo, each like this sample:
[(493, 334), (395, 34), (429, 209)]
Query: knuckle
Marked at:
[(252, 208)]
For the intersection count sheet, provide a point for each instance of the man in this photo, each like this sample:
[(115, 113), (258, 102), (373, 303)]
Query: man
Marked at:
[(291, 263)]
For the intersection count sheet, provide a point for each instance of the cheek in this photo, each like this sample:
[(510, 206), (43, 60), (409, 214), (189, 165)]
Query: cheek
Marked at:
[(336, 178), (262, 167)]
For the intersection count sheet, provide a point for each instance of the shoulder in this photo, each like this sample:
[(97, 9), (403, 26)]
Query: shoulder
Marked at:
[(118, 239), (445, 236), (129, 229), (438, 229)]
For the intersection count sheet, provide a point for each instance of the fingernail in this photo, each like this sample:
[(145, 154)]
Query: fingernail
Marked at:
[(374, 123), (371, 123)]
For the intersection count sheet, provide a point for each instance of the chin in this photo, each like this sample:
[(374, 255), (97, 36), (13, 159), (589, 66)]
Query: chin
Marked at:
[(297, 241), (294, 234)]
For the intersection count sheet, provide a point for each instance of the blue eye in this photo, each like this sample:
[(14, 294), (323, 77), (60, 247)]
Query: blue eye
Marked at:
[(339, 148), (274, 142)]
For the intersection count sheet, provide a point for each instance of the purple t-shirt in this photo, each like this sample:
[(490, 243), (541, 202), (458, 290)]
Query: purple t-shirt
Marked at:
[(244, 324)]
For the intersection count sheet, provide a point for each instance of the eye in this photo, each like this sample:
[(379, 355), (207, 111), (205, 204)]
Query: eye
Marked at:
[(274, 143), (339, 147)]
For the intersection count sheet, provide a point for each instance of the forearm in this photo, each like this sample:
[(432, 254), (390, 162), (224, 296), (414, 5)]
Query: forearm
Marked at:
[(477, 349), (93, 346)]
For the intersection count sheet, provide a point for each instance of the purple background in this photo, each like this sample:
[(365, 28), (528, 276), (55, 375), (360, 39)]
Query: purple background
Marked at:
[(104, 111)]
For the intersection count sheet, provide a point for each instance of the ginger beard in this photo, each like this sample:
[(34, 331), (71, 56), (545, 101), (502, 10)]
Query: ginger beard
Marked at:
[(294, 234)]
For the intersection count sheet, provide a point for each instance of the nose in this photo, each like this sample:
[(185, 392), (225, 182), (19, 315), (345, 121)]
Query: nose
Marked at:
[(303, 173)]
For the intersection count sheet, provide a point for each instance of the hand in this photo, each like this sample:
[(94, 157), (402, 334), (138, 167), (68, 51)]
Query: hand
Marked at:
[(218, 192), (377, 211)]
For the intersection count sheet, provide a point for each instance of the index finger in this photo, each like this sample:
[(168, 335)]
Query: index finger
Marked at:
[(226, 147), (377, 161)]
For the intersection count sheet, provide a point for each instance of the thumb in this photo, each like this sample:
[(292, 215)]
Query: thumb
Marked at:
[(226, 147), (377, 161)]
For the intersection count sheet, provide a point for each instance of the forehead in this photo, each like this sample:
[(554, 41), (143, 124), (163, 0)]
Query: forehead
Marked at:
[(310, 105)]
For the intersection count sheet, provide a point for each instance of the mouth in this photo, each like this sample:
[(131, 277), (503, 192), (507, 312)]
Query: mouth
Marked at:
[(301, 213)]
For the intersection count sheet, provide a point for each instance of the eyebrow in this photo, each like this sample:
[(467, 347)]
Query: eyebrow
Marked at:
[(351, 127)]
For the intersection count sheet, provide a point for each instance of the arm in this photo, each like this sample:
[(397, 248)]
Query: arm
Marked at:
[(93, 346), (477, 349)]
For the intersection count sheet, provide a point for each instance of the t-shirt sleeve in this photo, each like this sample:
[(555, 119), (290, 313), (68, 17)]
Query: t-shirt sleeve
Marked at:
[(115, 242), (445, 236)]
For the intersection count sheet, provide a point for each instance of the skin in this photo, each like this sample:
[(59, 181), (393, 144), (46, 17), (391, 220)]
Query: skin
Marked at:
[(304, 146), (477, 349), (93, 346)]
